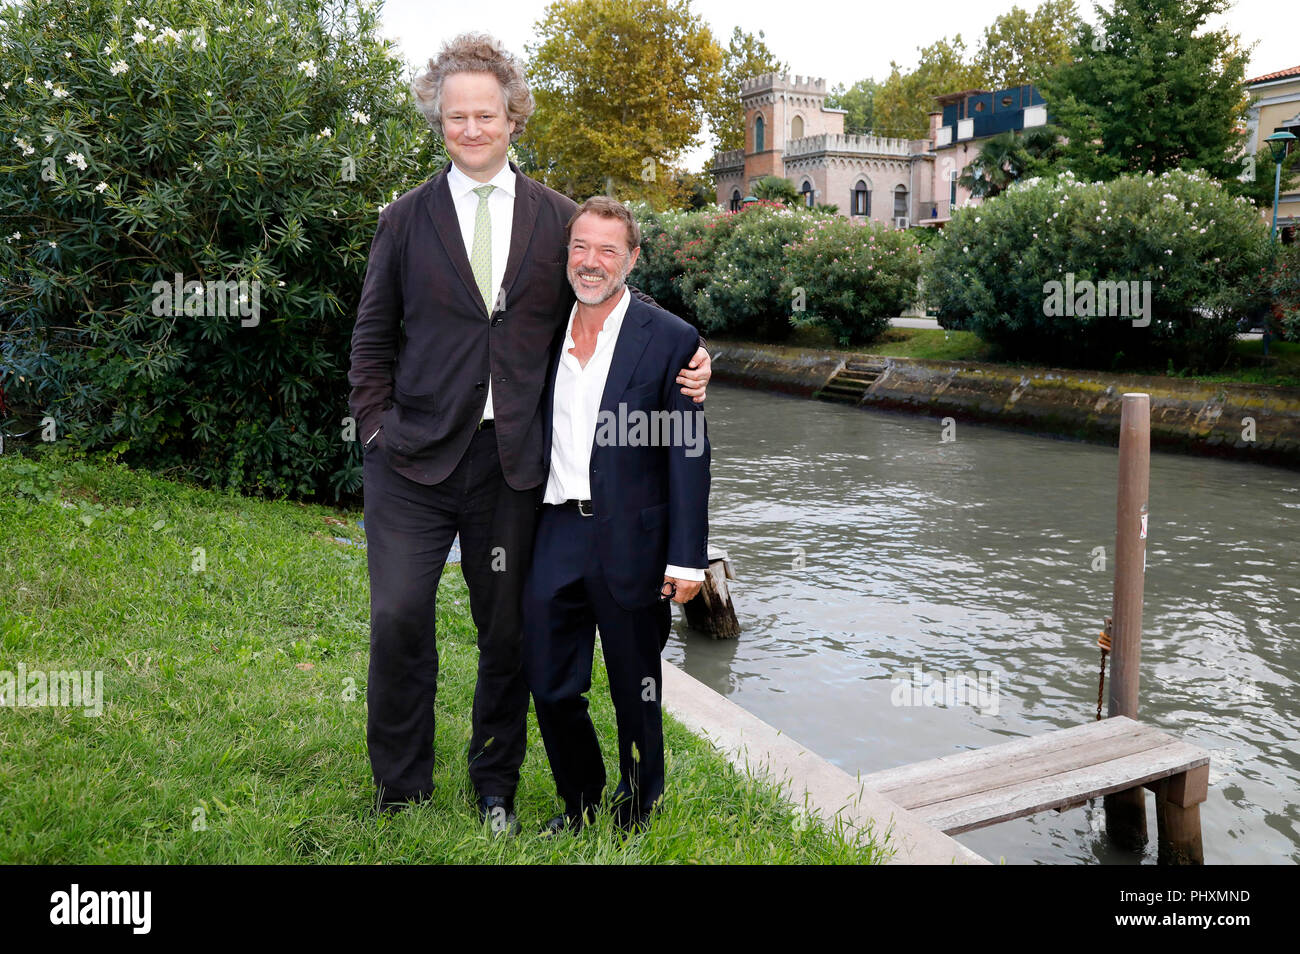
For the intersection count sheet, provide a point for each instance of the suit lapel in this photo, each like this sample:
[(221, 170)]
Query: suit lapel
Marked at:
[(521, 228), (443, 212), (632, 339)]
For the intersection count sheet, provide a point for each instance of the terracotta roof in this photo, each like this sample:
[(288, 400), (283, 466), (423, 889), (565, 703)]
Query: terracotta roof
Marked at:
[(1280, 74)]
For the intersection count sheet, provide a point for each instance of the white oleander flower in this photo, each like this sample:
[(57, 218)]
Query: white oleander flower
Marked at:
[(118, 68), (75, 159), (308, 67), (102, 187), (359, 117), (137, 38)]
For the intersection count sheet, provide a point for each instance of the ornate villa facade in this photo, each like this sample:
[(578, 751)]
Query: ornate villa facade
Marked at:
[(792, 133)]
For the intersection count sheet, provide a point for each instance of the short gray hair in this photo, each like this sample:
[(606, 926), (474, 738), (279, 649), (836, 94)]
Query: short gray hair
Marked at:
[(607, 207), (475, 53)]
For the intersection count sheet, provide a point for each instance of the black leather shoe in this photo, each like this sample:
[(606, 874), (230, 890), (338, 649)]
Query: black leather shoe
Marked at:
[(498, 811), (563, 823)]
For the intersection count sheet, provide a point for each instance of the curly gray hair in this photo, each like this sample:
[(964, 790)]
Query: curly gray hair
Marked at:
[(474, 53)]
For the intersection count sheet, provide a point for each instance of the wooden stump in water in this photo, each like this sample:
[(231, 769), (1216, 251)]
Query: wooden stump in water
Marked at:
[(711, 610)]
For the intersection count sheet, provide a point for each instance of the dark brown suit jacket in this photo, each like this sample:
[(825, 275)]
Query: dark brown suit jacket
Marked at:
[(424, 345)]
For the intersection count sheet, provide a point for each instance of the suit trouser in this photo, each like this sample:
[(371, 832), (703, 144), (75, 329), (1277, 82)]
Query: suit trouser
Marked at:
[(565, 599), (409, 531)]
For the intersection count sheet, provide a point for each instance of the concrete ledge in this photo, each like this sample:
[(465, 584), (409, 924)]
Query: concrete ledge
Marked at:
[(756, 748)]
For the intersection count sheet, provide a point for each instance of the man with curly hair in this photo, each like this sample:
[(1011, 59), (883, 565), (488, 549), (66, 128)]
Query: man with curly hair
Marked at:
[(464, 297)]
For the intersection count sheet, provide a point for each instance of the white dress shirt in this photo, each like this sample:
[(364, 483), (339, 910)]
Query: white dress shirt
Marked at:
[(578, 391), (501, 207)]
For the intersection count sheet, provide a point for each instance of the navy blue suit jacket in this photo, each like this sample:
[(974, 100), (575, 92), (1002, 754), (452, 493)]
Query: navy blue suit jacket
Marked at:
[(651, 503)]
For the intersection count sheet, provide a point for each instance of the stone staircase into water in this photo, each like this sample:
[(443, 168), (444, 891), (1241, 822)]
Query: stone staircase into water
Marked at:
[(850, 383)]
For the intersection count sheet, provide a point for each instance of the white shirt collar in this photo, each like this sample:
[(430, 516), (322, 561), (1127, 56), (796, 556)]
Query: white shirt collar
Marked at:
[(461, 184), (609, 330)]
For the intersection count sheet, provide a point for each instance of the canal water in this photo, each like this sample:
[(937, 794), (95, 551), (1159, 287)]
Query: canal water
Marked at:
[(873, 557)]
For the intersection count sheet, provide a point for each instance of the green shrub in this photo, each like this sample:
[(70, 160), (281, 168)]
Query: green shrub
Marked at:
[(1282, 285), (660, 266), (734, 272), (224, 142), (852, 278), (1199, 249)]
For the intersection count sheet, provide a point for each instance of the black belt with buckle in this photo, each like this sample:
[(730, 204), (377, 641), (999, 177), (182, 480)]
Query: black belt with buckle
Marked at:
[(486, 423), (583, 507)]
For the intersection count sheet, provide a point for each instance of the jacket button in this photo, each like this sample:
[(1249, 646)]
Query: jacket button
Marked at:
[(478, 386)]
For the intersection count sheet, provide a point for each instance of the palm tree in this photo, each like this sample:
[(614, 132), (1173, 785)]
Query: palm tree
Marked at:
[(1007, 157)]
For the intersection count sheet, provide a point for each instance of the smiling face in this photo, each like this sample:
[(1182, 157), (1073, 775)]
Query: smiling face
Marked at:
[(474, 123), (599, 259)]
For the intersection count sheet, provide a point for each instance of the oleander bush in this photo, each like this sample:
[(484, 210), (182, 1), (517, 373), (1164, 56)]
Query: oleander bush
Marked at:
[(660, 266), (236, 152), (1282, 284), (761, 272), (736, 271), (1198, 249), (851, 278)]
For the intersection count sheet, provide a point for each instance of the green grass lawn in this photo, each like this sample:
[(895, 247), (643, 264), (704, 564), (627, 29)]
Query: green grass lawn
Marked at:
[(233, 724)]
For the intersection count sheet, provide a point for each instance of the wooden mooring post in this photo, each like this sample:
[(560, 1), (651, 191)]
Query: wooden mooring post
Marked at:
[(1178, 798), (711, 611), (1126, 816)]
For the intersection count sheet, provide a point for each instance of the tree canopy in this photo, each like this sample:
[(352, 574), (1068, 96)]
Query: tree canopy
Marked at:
[(620, 88), (1149, 89)]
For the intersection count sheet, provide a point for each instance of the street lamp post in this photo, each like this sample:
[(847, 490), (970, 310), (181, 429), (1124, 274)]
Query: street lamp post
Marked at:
[(1277, 145)]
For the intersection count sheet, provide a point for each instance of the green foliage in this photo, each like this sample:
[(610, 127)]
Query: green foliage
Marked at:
[(1021, 48), (777, 189), (1255, 180), (1150, 89), (1282, 281), (735, 285), (740, 273), (850, 278), (857, 101), (1007, 157), (620, 87), (224, 143), (1200, 249), (663, 261), (903, 102), (745, 56)]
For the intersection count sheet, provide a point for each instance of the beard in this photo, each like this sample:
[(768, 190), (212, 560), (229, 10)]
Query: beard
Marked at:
[(611, 284)]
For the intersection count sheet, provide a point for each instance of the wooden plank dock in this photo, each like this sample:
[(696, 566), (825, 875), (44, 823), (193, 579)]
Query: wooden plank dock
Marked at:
[(1060, 770)]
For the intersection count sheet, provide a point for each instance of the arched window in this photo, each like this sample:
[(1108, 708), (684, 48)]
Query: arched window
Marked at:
[(860, 200), (758, 134), (796, 128), (735, 200), (900, 202), (807, 191)]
